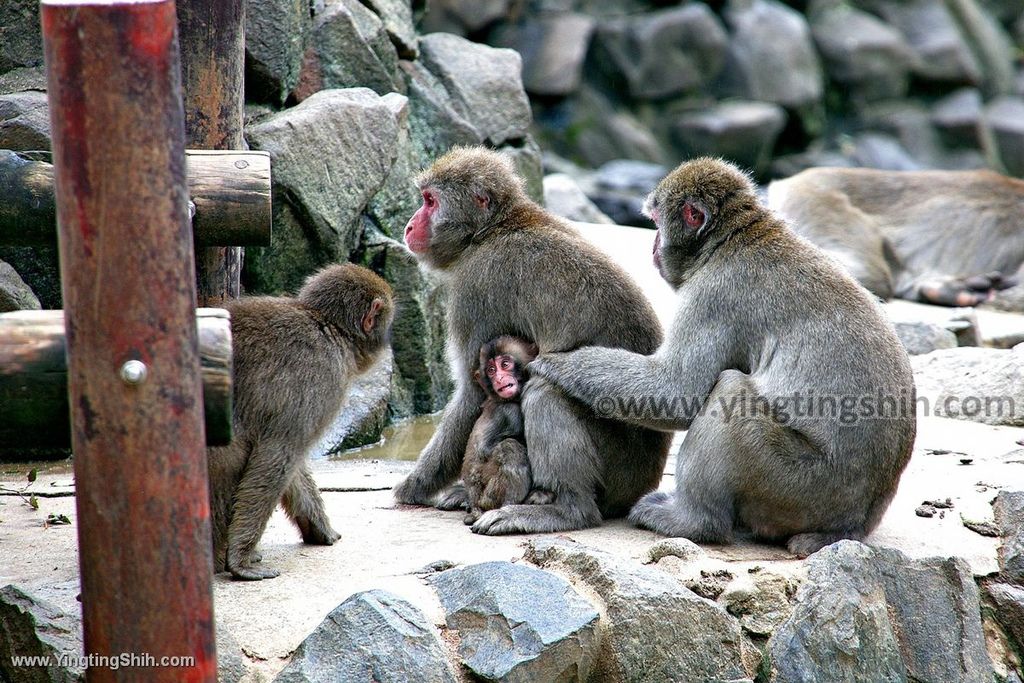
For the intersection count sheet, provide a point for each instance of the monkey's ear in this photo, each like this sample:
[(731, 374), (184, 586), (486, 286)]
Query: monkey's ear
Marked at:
[(370, 319), (695, 216), (482, 200)]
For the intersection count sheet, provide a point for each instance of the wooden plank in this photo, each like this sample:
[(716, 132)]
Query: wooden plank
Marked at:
[(134, 382), (34, 385), (230, 191)]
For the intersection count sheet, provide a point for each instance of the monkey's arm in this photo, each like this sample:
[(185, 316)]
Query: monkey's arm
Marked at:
[(649, 391)]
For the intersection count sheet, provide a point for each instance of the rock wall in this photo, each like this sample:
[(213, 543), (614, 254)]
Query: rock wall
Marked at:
[(775, 86), (350, 100)]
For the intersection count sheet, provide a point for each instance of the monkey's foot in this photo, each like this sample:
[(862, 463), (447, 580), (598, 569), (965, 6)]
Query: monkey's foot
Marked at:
[(662, 513), (320, 536), (412, 491), (968, 291), (534, 519), (454, 498), (249, 573)]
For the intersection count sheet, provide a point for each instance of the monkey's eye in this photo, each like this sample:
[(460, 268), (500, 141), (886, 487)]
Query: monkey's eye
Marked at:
[(491, 370), (429, 199), (692, 216), (506, 364)]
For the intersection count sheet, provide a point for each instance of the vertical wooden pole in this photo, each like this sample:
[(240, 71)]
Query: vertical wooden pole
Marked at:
[(213, 69), (128, 281)]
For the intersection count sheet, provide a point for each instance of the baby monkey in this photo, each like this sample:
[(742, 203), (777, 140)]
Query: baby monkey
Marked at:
[(495, 470)]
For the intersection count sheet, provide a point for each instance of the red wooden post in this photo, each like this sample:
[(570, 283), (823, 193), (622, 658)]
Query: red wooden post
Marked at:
[(133, 366), (213, 70)]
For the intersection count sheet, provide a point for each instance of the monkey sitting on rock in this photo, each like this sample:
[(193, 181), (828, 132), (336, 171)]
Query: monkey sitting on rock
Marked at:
[(294, 359), (495, 469), (798, 397)]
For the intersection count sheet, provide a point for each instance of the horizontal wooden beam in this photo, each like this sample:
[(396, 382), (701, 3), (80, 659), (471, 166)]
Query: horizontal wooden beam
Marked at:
[(230, 190), (34, 383)]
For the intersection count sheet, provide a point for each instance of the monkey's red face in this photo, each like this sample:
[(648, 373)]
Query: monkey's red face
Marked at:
[(501, 372), (418, 230)]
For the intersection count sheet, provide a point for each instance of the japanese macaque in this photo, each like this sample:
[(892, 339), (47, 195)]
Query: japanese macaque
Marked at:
[(952, 238), (496, 470), (513, 268), (294, 359), (798, 397)]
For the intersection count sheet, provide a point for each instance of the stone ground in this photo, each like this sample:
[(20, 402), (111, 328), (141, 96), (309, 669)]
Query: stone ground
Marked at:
[(386, 546)]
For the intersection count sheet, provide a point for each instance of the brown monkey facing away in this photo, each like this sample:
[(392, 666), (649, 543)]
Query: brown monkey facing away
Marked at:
[(513, 268), (496, 470), (293, 361), (952, 238), (808, 399)]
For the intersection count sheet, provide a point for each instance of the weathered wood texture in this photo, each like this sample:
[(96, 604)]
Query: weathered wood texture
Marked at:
[(213, 70), (34, 382), (230, 190), (128, 281)]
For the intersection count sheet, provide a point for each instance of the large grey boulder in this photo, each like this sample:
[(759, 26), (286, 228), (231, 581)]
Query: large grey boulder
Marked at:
[(553, 47), (949, 42), (590, 128), (398, 22), (330, 155), (1009, 511), (653, 628), (464, 16), (771, 55), (24, 121), (866, 56), (980, 384), (435, 123), (958, 118), (872, 614), (349, 47), (1009, 606), (21, 40), (372, 636), (1005, 117), (619, 188), (921, 337), (15, 295), (564, 197), (484, 83), (518, 623), (35, 628), (276, 38), (742, 132), (39, 267), (662, 53)]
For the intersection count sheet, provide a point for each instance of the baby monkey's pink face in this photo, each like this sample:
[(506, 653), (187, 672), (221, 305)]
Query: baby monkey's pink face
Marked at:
[(501, 371)]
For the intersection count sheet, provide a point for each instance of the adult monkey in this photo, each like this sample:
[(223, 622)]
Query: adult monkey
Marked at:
[(952, 238), (778, 340), (513, 268)]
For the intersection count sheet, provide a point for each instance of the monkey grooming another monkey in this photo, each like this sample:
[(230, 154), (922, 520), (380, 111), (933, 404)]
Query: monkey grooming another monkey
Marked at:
[(775, 342), (513, 268), (293, 359), (496, 470), (952, 238)]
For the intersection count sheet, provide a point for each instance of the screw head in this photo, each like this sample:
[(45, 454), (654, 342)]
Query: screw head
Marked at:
[(134, 372)]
